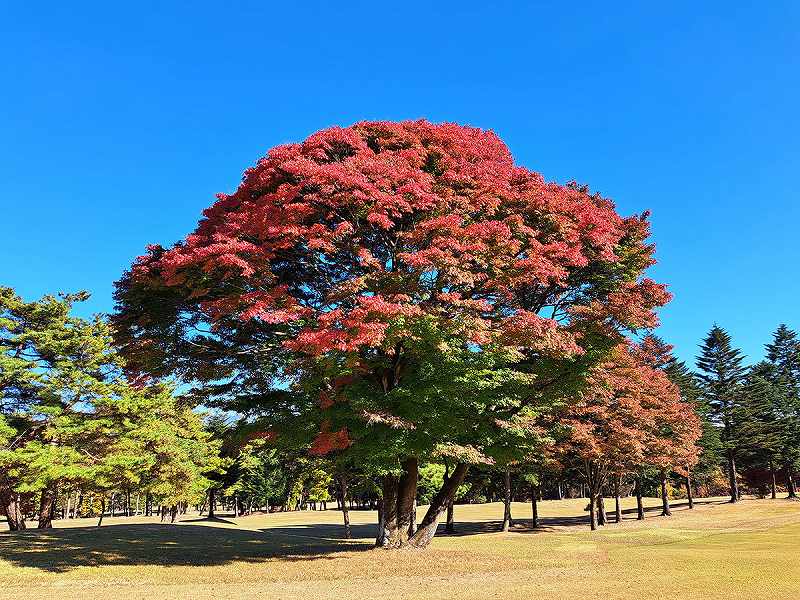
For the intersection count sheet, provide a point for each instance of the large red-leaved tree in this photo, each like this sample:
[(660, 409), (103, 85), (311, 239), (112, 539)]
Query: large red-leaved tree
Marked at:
[(365, 273)]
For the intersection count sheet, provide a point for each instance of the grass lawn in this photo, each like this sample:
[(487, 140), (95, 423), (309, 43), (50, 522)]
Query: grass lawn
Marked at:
[(749, 550)]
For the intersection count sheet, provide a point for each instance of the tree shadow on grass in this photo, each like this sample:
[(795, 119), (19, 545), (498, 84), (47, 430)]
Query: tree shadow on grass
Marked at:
[(190, 543), (60, 550), (560, 523)]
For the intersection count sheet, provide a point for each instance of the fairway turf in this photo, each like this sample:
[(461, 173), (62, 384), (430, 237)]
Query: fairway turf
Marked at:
[(748, 550)]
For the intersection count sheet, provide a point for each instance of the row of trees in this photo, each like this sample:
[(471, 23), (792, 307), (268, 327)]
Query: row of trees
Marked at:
[(753, 413)]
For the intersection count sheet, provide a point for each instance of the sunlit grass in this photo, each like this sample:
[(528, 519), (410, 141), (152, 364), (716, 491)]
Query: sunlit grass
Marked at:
[(748, 550)]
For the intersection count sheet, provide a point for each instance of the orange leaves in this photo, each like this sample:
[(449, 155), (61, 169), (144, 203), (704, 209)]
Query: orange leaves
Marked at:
[(529, 330), (328, 441), (631, 415)]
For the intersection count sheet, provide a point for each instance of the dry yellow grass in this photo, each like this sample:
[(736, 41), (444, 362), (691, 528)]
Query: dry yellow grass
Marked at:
[(750, 550)]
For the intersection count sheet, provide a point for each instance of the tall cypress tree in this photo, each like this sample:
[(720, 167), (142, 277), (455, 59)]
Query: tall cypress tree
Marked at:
[(721, 376), (783, 356)]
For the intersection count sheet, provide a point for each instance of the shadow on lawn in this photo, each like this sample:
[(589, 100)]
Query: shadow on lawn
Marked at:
[(60, 550), (189, 544), (560, 523)]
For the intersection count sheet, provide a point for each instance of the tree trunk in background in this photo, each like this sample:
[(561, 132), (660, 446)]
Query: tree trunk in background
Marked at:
[(592, 513), (148, 506), (665, 508), (507, 522), (102, 511), (427, 528), (732, 477), (534, 507), (450, 526), (639, 503), (602, 516), (617, 506), (790, 482), (773, 487), (688, 482), (559, 492), (345, 510), (211, 504), (10, 503), (47, 507)]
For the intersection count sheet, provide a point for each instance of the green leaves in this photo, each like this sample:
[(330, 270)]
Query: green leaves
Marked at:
[(69, 418)]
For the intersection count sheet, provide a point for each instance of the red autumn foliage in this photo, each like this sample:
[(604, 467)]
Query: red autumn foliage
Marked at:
[(341, 235)]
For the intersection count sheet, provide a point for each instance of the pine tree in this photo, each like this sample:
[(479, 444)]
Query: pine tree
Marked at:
[(783, 356), (77, 423), (721, 376), (757, 426)]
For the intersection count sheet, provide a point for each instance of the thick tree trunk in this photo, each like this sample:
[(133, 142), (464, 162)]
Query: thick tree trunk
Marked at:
[(345, 510), (507, 521), (790, 483), (592, 511), (666, 511), (10, 504), (427, 528), (399, 494), (412, 526), (734, 484), (639, 503), (534, 507), (47, 507), (450, 525), (617, 505)]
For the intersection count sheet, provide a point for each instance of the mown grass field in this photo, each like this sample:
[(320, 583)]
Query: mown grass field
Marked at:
[(750, 550)]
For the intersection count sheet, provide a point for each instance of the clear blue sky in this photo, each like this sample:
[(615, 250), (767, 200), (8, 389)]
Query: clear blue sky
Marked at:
[(119, 121)]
